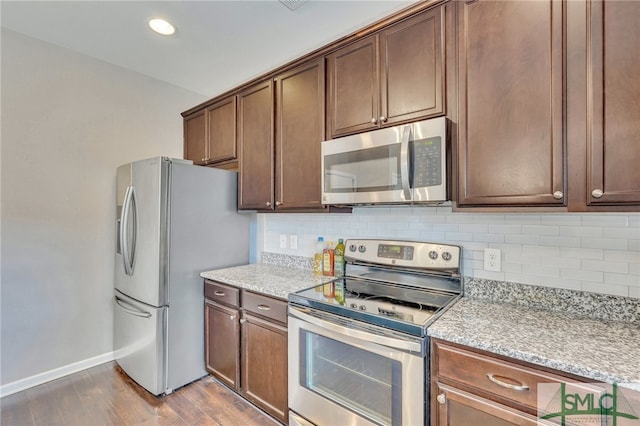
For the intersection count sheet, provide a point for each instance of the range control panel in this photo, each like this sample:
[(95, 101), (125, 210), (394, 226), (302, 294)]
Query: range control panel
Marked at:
[(410, 254)]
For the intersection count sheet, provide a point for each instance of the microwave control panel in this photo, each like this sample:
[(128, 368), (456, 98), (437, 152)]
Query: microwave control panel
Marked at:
[(427, 162)]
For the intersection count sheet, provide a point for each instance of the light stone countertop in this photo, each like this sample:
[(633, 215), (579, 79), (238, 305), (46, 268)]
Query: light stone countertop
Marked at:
[(271, 280), (607, 351)]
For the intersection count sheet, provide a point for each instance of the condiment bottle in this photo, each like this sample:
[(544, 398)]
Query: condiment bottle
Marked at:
[(338, 259), (327, 259), (317, 256)]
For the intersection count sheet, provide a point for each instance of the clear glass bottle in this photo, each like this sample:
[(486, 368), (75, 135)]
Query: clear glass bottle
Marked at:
[(338, 259), (327, 259), (317, 256)]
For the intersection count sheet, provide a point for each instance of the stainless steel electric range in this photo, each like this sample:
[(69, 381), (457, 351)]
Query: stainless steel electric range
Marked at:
[(358, 347)]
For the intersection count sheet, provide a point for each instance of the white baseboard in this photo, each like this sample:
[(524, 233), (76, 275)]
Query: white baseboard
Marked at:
[(56, 373)]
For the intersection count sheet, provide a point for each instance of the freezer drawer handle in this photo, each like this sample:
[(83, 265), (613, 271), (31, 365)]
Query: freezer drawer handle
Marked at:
[(131, 309)]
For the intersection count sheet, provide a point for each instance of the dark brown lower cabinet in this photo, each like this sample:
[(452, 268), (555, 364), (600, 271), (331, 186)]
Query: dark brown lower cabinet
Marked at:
[(222, 349), (474, 387), (264, 365), (463, 408), (246, 345)]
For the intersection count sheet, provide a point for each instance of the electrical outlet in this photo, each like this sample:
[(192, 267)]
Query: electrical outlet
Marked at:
[(492, 259), (283, 241), (293, 242)]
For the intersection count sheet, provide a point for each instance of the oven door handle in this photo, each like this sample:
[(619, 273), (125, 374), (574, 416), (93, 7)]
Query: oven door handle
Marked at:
[(387, 341)]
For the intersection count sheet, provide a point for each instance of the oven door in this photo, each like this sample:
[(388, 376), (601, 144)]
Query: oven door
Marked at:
[(367, 168), (346, 375)]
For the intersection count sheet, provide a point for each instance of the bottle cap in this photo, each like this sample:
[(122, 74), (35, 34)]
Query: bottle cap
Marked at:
[(320, 238)]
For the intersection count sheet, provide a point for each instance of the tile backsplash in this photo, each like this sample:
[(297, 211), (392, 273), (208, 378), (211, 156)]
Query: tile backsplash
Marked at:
[(578, 251)]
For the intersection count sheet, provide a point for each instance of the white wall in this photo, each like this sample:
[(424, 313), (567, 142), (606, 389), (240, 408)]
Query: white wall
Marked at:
[(67, 122), (591, 252)]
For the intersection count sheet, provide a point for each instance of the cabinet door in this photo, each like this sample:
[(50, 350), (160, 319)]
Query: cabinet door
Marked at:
[(299, 132), (613, 152), (222, 343), (353, 88), (195, 138), (458, 408), (510, 80), (264, 365), (411, 58), (255, 140), (221, 126)]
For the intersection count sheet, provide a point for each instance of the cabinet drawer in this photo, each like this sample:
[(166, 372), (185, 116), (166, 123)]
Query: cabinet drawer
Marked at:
[(265, 306), (222, 293), (502, 379)]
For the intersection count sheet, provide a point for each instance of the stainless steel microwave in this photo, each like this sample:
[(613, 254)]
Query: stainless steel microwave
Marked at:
[(403, 164)]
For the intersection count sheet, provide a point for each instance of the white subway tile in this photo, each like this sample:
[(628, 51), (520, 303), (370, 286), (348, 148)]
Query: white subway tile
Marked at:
[(604, 243), (540, 230), (475, 228), (542, 270), (488, 238), (604, 220), (581, 231), (540, 251), (633, 245), (622, 279), (445, 227), (521, 259), (488, 275), (478, 246), (634, 268), (572, 263), (522, 239), (508, 267), (459, 237), (522, 219), (459, 218), (616, 290), (581, 275), (580, 253), (604, 266), (634, 292), (505, 229), (560, 241), (561, 219), (624, 233), (490, 219)]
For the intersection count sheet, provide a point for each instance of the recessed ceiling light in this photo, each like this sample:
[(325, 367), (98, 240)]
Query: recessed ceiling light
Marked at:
[(161, 26)]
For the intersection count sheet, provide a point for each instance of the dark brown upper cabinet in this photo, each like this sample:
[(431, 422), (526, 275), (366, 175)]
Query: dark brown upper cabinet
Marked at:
[(511, 146), (255, 141), (299, 132), (195, 137), (613, 104), (210, 134), (297, 125), (393, 76)]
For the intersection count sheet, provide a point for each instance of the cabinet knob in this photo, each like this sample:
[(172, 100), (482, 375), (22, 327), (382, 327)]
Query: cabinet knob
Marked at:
[(242, 321), (203, 159), (374, 120), (383, 119), (597, 193), (232, 317), (442, 398), (278, 203), (268, 203), (558, 195)]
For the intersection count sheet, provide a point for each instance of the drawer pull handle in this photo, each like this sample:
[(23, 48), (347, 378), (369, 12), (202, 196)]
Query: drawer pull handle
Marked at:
[(507, 385), (218, 293), (264, 307)]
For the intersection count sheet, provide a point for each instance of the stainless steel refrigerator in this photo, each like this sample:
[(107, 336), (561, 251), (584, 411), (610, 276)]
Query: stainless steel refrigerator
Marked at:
[(174, 220)]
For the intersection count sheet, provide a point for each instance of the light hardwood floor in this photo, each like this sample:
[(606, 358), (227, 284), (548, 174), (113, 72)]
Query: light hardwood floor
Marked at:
[(104, 395)]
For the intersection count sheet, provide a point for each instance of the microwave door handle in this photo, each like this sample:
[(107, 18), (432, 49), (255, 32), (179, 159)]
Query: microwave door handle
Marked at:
[(404, 163)]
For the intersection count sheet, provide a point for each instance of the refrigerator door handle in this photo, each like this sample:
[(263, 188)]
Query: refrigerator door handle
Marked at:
[(129, 253), (131, 309)]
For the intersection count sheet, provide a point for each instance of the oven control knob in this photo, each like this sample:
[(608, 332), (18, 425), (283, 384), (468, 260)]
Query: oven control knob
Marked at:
[(433, 255), (353, 305), (362, 249), (446, 255), (362, 308), (352, 247)]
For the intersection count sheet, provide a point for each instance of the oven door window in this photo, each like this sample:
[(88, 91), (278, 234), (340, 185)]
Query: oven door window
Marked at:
[(360, 381), (365, 170)]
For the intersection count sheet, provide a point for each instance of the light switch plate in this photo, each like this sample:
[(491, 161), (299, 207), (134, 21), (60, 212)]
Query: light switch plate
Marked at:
[(283, 241), (293, 242), (492, 260)]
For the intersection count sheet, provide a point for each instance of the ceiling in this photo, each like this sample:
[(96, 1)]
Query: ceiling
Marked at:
[(218, 44)]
